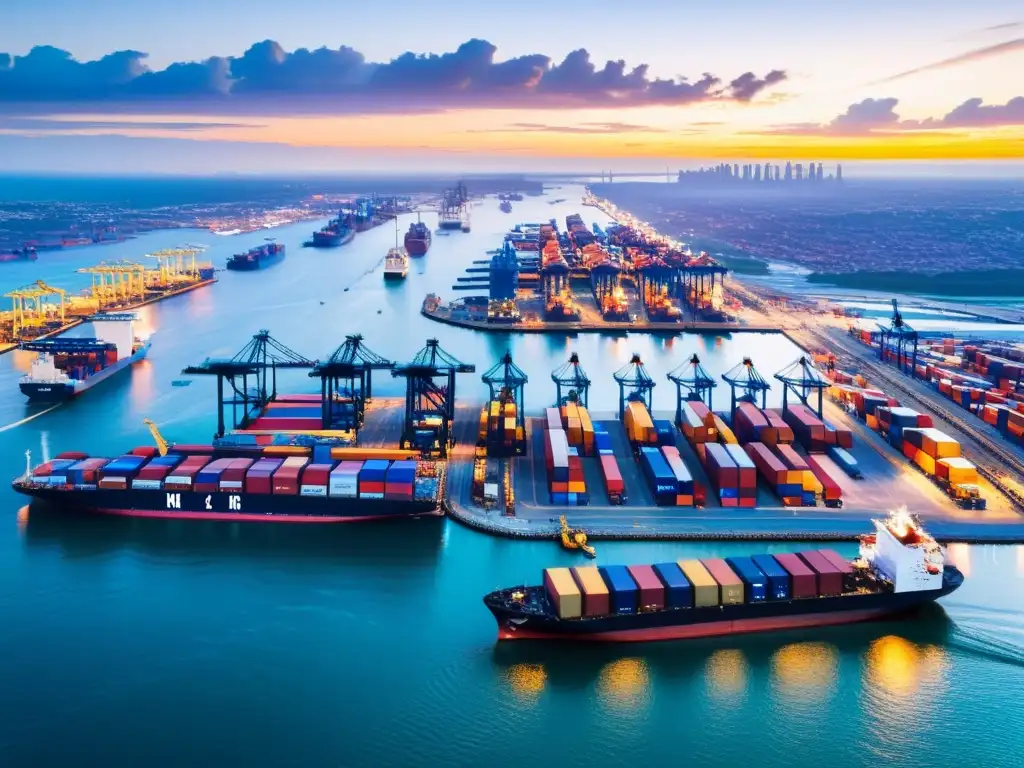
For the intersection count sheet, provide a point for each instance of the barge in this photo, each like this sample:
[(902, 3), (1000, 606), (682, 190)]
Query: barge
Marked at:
[(900, 568)]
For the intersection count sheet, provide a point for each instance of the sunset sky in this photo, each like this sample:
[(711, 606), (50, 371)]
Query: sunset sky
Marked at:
[(191, 86)]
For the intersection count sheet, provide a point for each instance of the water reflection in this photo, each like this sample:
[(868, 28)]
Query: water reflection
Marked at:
[(623, 684), (1020, 559), (526, 681), (727, 673), (806, 672), (960, 556)]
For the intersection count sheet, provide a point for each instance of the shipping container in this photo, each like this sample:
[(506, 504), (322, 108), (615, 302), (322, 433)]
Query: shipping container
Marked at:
[(844, 566), (650, 589), (659, 475), (678, 590), (316, 479), (845, 461), (731, 586), (563, 593), (830, 578), (705, 588), (755, 583), (802, 580), (344, 479), (613, 484), (956, 471), (777, 576), (747, 472), (594, 590), (622, 588), (285, 480)]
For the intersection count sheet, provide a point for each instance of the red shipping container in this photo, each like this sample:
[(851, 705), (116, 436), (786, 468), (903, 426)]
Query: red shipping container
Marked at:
[(612, 476), (233, 477), (722, 470), (803, 581), (790, 457), (924, 421), (286, 480), (148, 451), (767, 463), (830, 578), (838, 561), (316, 474), (830, 487), (74, 455), (699, 495), (652, 591)]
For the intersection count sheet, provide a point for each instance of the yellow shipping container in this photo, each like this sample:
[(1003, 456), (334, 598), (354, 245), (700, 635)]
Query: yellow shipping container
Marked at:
[(355, 454), (925, 462), (286, 450), (810, 482), (725, 434), (958, 471), (705, 588), (595, 591), (577, 486), (939, 445), (563, 592), (495, 408)]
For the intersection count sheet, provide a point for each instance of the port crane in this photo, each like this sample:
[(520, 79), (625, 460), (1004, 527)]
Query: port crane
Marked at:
[(162, 445), (803, 380), (899, 337), (506, 382), (349, 372), (692, 383), (571, 376), (744, 377), (634, 377), (31, 307)]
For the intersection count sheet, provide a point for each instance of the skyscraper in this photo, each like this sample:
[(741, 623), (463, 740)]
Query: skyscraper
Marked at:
[(757, 173), (789, 171), (767, 171), (839, 172), (821, 171), (799, 171)]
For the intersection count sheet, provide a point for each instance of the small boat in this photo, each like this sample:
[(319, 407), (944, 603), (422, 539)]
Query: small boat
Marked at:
[(396, 262)]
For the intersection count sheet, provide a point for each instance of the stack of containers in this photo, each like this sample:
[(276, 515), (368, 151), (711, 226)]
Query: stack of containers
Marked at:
[(579, 429), (660, 477), (118, 473), (373, 479), (233, 476), (755, 583), (153, 474), (684, 480), (707, 418), (185, 475), (723, 474), (556, 460), (621, 587), (85, 473), (778, 429), (594, 591), (290, 416), (746, 476), (692, 425), (956, 471), (53, 472), (725, 434), (802, 580), (258, 478), (829, 577), (665, 432), (401, 476), (316, 479), (830, 490), (577, 484), (501, 428), (343, 480), (613, 484), (892, 420), (729, 584), (705, 588), (808, 429), (650, 590), (845, 461), (809, 483), (602, 441), (776, 576), (926, 446), (840, 562), (285, 480), (208, 478), (563, 593), (588, 431), (639, 427), (787, 483), (748, 423)]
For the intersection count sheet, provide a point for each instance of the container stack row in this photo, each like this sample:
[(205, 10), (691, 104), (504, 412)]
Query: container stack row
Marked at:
[(639, 425), (614, 485), (500, 430), (814, 434), (668, 477), (731, 472), (565, 470), (787, 483), (402, 480), (300, 413), (753, 425), (579, 428), (586, 592)]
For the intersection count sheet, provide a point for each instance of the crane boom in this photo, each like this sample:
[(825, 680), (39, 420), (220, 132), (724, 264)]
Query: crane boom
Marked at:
[(161, 444)]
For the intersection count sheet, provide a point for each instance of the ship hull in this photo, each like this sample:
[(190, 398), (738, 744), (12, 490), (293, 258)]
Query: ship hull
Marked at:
[(251, 265), (221, 505), (448, 224), (716, 621), (416, 247), (47, 392)]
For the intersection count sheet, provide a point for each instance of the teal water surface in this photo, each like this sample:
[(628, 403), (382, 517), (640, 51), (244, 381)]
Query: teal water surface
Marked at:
[(135, 642)]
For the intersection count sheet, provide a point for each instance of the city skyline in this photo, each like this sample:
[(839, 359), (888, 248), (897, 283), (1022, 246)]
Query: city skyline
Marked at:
[(275, 91)]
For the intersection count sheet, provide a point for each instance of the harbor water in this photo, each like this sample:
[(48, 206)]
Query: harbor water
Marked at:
[(175, 642)]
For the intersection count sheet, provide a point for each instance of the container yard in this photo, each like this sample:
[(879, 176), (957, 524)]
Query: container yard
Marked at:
[(42, 311)]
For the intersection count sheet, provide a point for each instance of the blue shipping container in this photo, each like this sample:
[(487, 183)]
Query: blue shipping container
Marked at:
[(787, 490), (374, 470), (809, 499), (657, 471), (321, 454), (666, 432), (678, 591), (777, 576), (621, 588), (755, 583), (170, 460), (559, 499), (841, 457)]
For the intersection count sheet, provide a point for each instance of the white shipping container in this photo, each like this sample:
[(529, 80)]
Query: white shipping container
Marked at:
[(559, 448), (371, 496), (344, 485), (177, 480), (230, 485), (146, 485), (313, 490), (295, 461)]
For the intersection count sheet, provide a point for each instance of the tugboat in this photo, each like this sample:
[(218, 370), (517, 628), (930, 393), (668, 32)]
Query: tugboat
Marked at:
[(417, 239), (506, 206), (396, 263)]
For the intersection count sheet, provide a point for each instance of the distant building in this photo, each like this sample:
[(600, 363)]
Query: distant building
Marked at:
[(839, 172), (799, 171), (789, 171), (757, 172)]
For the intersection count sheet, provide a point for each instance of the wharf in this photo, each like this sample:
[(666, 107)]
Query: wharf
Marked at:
[(4, 348)]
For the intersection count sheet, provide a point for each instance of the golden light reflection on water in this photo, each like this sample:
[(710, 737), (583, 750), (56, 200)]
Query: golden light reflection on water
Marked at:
[(960, 556), (23, 518), (624, 684), (21, 360), (903, 669), (526, 681), (143, 384), (727, 672), (806, 671)]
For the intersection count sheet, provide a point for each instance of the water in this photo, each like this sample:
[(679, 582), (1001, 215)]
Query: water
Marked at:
[(166, 643)]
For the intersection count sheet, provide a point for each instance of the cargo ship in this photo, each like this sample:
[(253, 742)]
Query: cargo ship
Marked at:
[(900, 568), (336, 232), (417, 239), (28, 253), (505, 206), (396, 262), (260, 257), (288, 483), (67, 366)]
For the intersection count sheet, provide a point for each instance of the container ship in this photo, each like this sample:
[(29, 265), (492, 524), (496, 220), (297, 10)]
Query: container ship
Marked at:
[(396, 262), (28, 253), (66, 367), (417, 239), (283, 481), (505, 206), (900, 568), (336, 232), (260, 257)]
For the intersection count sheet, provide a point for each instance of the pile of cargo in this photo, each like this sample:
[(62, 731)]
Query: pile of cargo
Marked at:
[(610, 472), (500, 430), (299, 413), (590, 593), (731, 472), (668, 477), (579, 429), (814, 434), (698, 424), (565, 470), (400, 480), (753, 425), (639, 425)]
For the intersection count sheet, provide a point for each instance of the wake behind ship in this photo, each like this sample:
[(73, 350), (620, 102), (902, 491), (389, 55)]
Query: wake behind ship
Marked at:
[(900, 568), (66, 366)]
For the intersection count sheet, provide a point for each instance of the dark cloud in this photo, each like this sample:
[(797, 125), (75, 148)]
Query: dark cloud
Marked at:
[(1004, 27), (979, 54), (879, 116), (266, 78), (582, 128), (53, 126)]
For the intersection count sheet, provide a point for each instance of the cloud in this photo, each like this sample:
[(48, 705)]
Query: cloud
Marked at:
[(582, 128), (1004, 27), (266, 78), (52, 126), (979, 54), (879, 116)]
